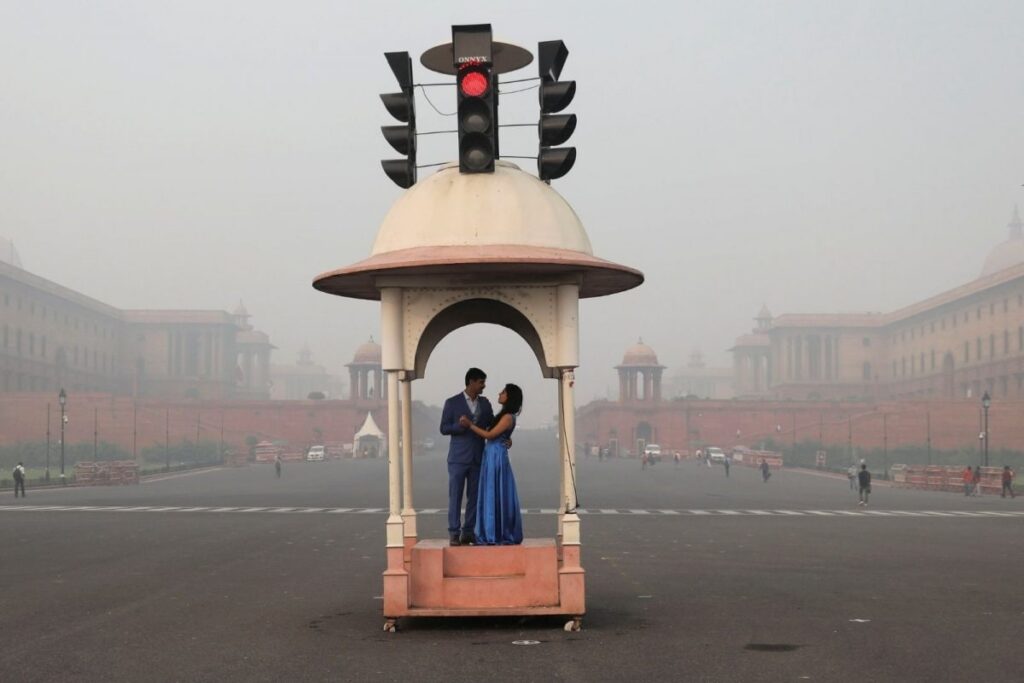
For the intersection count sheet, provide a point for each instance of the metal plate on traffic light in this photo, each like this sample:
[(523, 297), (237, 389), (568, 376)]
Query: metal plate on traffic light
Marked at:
[(506, 58)]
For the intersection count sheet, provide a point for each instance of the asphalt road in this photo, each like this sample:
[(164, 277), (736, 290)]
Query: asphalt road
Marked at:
[(739, 581)]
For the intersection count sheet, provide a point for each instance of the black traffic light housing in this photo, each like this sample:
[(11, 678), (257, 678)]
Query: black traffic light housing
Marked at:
[(553, 129), (401, 105), (477, 88)]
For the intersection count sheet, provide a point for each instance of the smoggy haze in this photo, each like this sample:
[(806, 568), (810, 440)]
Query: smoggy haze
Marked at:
[(855, 156)]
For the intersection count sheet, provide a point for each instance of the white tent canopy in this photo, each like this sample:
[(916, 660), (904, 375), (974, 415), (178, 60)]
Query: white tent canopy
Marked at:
[(369, 428)]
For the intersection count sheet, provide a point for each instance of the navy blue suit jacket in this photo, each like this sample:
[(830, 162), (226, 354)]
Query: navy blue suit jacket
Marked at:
[(465, 447)]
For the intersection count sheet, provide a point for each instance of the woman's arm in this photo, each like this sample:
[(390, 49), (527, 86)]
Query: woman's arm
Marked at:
[(503, 424)]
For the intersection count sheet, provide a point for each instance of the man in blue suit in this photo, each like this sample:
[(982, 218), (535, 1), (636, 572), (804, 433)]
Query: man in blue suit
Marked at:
[(464, 453)]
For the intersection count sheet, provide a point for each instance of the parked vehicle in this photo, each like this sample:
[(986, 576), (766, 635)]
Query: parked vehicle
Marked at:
[(653, 452), (316, 453), (715, 454)]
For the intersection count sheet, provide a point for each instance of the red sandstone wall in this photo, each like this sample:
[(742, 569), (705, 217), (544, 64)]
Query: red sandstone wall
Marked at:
[(677, 424), (23, 418)]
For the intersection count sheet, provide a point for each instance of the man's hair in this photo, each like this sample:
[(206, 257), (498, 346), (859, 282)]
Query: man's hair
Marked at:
[(474, 373)]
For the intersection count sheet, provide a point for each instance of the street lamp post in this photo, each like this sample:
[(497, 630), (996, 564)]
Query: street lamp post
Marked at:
[(47, 443), (986, 401), (63, 399)]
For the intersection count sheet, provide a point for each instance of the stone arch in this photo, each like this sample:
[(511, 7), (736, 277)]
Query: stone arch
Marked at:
[(645, 431), (472, 311)]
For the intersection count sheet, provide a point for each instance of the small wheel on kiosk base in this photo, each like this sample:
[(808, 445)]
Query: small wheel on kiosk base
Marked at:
[(574, 624), (390, 625)]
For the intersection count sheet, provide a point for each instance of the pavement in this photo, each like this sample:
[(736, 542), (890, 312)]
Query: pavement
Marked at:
[(234, 575)]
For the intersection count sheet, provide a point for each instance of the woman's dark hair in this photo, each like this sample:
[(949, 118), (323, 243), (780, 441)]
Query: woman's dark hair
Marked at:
[(513, 402)]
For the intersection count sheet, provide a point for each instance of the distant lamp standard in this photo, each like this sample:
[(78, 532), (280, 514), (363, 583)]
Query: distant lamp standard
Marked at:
[(63, 399), (986, 401)]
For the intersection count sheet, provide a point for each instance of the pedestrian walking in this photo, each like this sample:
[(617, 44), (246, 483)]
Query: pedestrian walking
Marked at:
[(19, 479), (976, 480), (676, 458), (277, 465), (1008, 476), (765, 471), (725, 463), (851, 474), (967, 477), (864, 484)]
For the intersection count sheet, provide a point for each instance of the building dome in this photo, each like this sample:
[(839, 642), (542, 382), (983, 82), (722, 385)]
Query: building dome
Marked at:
[(501, 226), (1009, 252), (640, 355), (367, 354)]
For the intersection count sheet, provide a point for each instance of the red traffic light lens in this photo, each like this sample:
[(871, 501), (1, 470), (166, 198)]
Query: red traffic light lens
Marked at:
[(473, 84)]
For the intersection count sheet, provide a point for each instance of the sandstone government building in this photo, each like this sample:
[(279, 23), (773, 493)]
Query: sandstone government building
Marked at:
[(957, 344)]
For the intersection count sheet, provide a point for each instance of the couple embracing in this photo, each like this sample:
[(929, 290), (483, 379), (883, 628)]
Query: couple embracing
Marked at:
[(478, 463)]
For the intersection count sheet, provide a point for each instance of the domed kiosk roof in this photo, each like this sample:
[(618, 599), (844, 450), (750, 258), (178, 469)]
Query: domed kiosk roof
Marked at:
[(502, 225), (367, 353), (640, 355), (1009, 252)]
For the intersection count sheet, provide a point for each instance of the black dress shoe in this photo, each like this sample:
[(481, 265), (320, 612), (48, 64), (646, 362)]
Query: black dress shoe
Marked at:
[(467, 539), (454, 540)]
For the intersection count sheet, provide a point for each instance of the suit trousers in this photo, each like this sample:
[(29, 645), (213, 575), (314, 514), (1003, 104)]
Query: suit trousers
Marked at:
[(462, 476)]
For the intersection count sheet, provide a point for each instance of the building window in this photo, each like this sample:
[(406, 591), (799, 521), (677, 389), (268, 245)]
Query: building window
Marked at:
[(7, 335), (31, 344), (866, 341), (1006, 342), (17, 342), (967, 352), (903, 367), (866, 372), (911, 333), (992, 309), (966, 314), (43, 341), (977, 348), (932, 327), (1020, 338), (922, 362), (894, 369), (933, 359), (992, 346), (1006, 305)]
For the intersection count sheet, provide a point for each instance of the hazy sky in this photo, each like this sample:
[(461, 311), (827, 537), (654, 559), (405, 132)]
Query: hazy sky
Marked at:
[(812, 156)]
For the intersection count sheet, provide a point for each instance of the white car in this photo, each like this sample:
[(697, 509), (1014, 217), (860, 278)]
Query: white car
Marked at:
[(715, 454), (653, 452), (316, 453)]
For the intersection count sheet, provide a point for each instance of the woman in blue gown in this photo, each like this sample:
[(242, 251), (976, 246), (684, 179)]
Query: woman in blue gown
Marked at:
[(498, 518)]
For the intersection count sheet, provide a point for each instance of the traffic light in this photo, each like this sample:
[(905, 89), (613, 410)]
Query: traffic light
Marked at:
[(477, 86), (553, 129), (401, 106)]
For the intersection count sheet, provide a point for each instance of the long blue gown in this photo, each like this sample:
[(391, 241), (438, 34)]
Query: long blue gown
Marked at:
[(498, 518)]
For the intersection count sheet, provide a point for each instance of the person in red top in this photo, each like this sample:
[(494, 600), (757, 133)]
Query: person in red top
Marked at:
[(1008, 481), (968, 479)]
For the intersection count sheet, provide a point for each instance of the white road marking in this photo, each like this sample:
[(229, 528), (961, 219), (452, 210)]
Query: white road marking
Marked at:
[(972, 514)]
